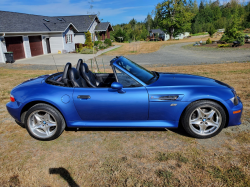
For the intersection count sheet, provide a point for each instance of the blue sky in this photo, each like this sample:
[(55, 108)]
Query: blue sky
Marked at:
[(114, 11)]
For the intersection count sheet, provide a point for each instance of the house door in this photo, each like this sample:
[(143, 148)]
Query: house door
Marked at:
[(36, 47), (15, 45), (48, 45)]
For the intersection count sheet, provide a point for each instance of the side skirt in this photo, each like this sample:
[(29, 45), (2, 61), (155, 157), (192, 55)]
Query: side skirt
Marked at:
[(146, 123)]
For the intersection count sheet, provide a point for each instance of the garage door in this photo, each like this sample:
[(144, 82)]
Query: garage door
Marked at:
[(15, 44), (36, 47)]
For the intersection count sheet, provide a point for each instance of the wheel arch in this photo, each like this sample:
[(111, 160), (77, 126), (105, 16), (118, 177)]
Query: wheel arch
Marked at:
[(216, 101), (31, 104)]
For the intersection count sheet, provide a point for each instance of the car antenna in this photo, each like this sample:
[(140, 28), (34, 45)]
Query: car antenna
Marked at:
[(55, 63)]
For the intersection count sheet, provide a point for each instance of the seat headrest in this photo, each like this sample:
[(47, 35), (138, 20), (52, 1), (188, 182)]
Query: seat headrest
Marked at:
[(86, 67), (80, 61), (73, 74), (66, 69)]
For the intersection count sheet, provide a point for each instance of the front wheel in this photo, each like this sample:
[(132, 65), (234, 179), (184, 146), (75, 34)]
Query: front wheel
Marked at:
[(44, 122), (203, 119)]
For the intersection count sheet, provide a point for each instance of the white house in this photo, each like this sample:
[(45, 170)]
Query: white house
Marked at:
[(164, 36), (28, 35)]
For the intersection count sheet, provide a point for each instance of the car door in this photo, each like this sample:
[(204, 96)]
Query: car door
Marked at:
[(97, 104)]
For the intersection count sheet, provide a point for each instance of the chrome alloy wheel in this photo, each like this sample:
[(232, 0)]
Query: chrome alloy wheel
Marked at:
[(205, 120), (42, 124)]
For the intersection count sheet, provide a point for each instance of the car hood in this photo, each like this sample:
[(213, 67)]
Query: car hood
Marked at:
[(177, 79)]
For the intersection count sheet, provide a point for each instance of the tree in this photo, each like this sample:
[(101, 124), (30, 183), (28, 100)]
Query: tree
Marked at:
[(173, 16), (201, 7), (134, 32), (211, 30), (216, 10), (88, 40), (195, 8), (149, 22), (120, 35)]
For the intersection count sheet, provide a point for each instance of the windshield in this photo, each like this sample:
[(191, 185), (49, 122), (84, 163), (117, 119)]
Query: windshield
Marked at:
[(136, 70)]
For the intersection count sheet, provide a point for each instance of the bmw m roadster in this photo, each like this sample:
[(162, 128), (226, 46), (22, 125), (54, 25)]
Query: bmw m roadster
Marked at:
[(131, 96)]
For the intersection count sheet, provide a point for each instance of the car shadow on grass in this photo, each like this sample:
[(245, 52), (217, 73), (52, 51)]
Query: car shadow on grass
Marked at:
[(179, 130), (65, 175)]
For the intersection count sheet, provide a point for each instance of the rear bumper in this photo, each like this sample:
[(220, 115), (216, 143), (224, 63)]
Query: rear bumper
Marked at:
[(14, 110), (234, 118)]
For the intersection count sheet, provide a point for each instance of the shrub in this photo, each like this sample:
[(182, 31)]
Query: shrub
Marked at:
[(103, 46), (108, 42), (96, 43), (88, 40), (225, 38), (241, 39), (223, 45), (211, 30), (80, 48), (209, 41), (86, 50)]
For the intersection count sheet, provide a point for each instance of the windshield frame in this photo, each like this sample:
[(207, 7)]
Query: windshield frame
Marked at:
[(129, 74), (133, 76)]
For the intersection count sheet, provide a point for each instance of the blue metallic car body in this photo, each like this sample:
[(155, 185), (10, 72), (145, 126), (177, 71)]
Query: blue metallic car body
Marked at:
[(137, 107)]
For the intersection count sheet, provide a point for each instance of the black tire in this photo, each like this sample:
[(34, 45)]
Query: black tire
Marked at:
[(55, 114), (192, 107)]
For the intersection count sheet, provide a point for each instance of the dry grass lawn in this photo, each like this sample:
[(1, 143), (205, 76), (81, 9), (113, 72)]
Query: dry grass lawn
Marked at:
[(127, 157), (148, 47)]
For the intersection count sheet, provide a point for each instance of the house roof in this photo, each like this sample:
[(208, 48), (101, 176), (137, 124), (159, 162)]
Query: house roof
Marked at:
[(59, 26), (159, 31), (103, 26), (20, 22)]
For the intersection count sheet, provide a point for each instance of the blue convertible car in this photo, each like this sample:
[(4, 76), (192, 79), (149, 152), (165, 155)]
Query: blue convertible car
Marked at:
[(131, 96)]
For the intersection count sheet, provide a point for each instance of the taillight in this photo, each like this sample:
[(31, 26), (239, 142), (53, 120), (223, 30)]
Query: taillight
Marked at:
[(12, 99)]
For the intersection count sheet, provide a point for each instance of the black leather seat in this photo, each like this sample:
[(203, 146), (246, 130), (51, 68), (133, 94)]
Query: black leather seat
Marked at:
[(75, 79), (89, 77), (65, 77), (80, 61)]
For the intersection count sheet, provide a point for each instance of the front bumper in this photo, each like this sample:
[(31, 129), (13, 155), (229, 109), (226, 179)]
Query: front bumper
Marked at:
[(234, 118)]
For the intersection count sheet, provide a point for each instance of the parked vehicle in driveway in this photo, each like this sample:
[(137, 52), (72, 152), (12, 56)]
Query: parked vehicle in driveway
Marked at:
[(131, 96)]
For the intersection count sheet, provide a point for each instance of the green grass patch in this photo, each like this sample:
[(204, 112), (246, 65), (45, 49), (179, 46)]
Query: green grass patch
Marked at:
[(171, 156), (164, 174), (199, 34), (206, 48), (232, 176)]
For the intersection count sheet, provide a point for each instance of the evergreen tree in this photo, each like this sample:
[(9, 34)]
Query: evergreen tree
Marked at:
[(88, 40), (195, 8), (120, 35), (149, 22), (201, 7)]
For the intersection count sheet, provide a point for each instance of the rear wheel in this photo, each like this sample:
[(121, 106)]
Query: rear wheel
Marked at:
[(44, 122), (204, 119)]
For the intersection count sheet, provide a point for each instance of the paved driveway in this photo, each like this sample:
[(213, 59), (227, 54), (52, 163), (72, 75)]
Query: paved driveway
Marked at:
[(174, 54), (60, 59), (178, 55)]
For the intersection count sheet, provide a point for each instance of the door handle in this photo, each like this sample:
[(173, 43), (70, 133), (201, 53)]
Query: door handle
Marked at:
[(83, 97)]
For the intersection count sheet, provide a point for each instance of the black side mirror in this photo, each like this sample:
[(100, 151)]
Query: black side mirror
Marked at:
[(117, 86)]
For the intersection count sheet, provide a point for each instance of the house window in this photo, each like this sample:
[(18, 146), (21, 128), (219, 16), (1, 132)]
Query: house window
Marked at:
[(68, 38)]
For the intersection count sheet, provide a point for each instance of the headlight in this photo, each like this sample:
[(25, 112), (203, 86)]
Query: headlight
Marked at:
[(235, 98)]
